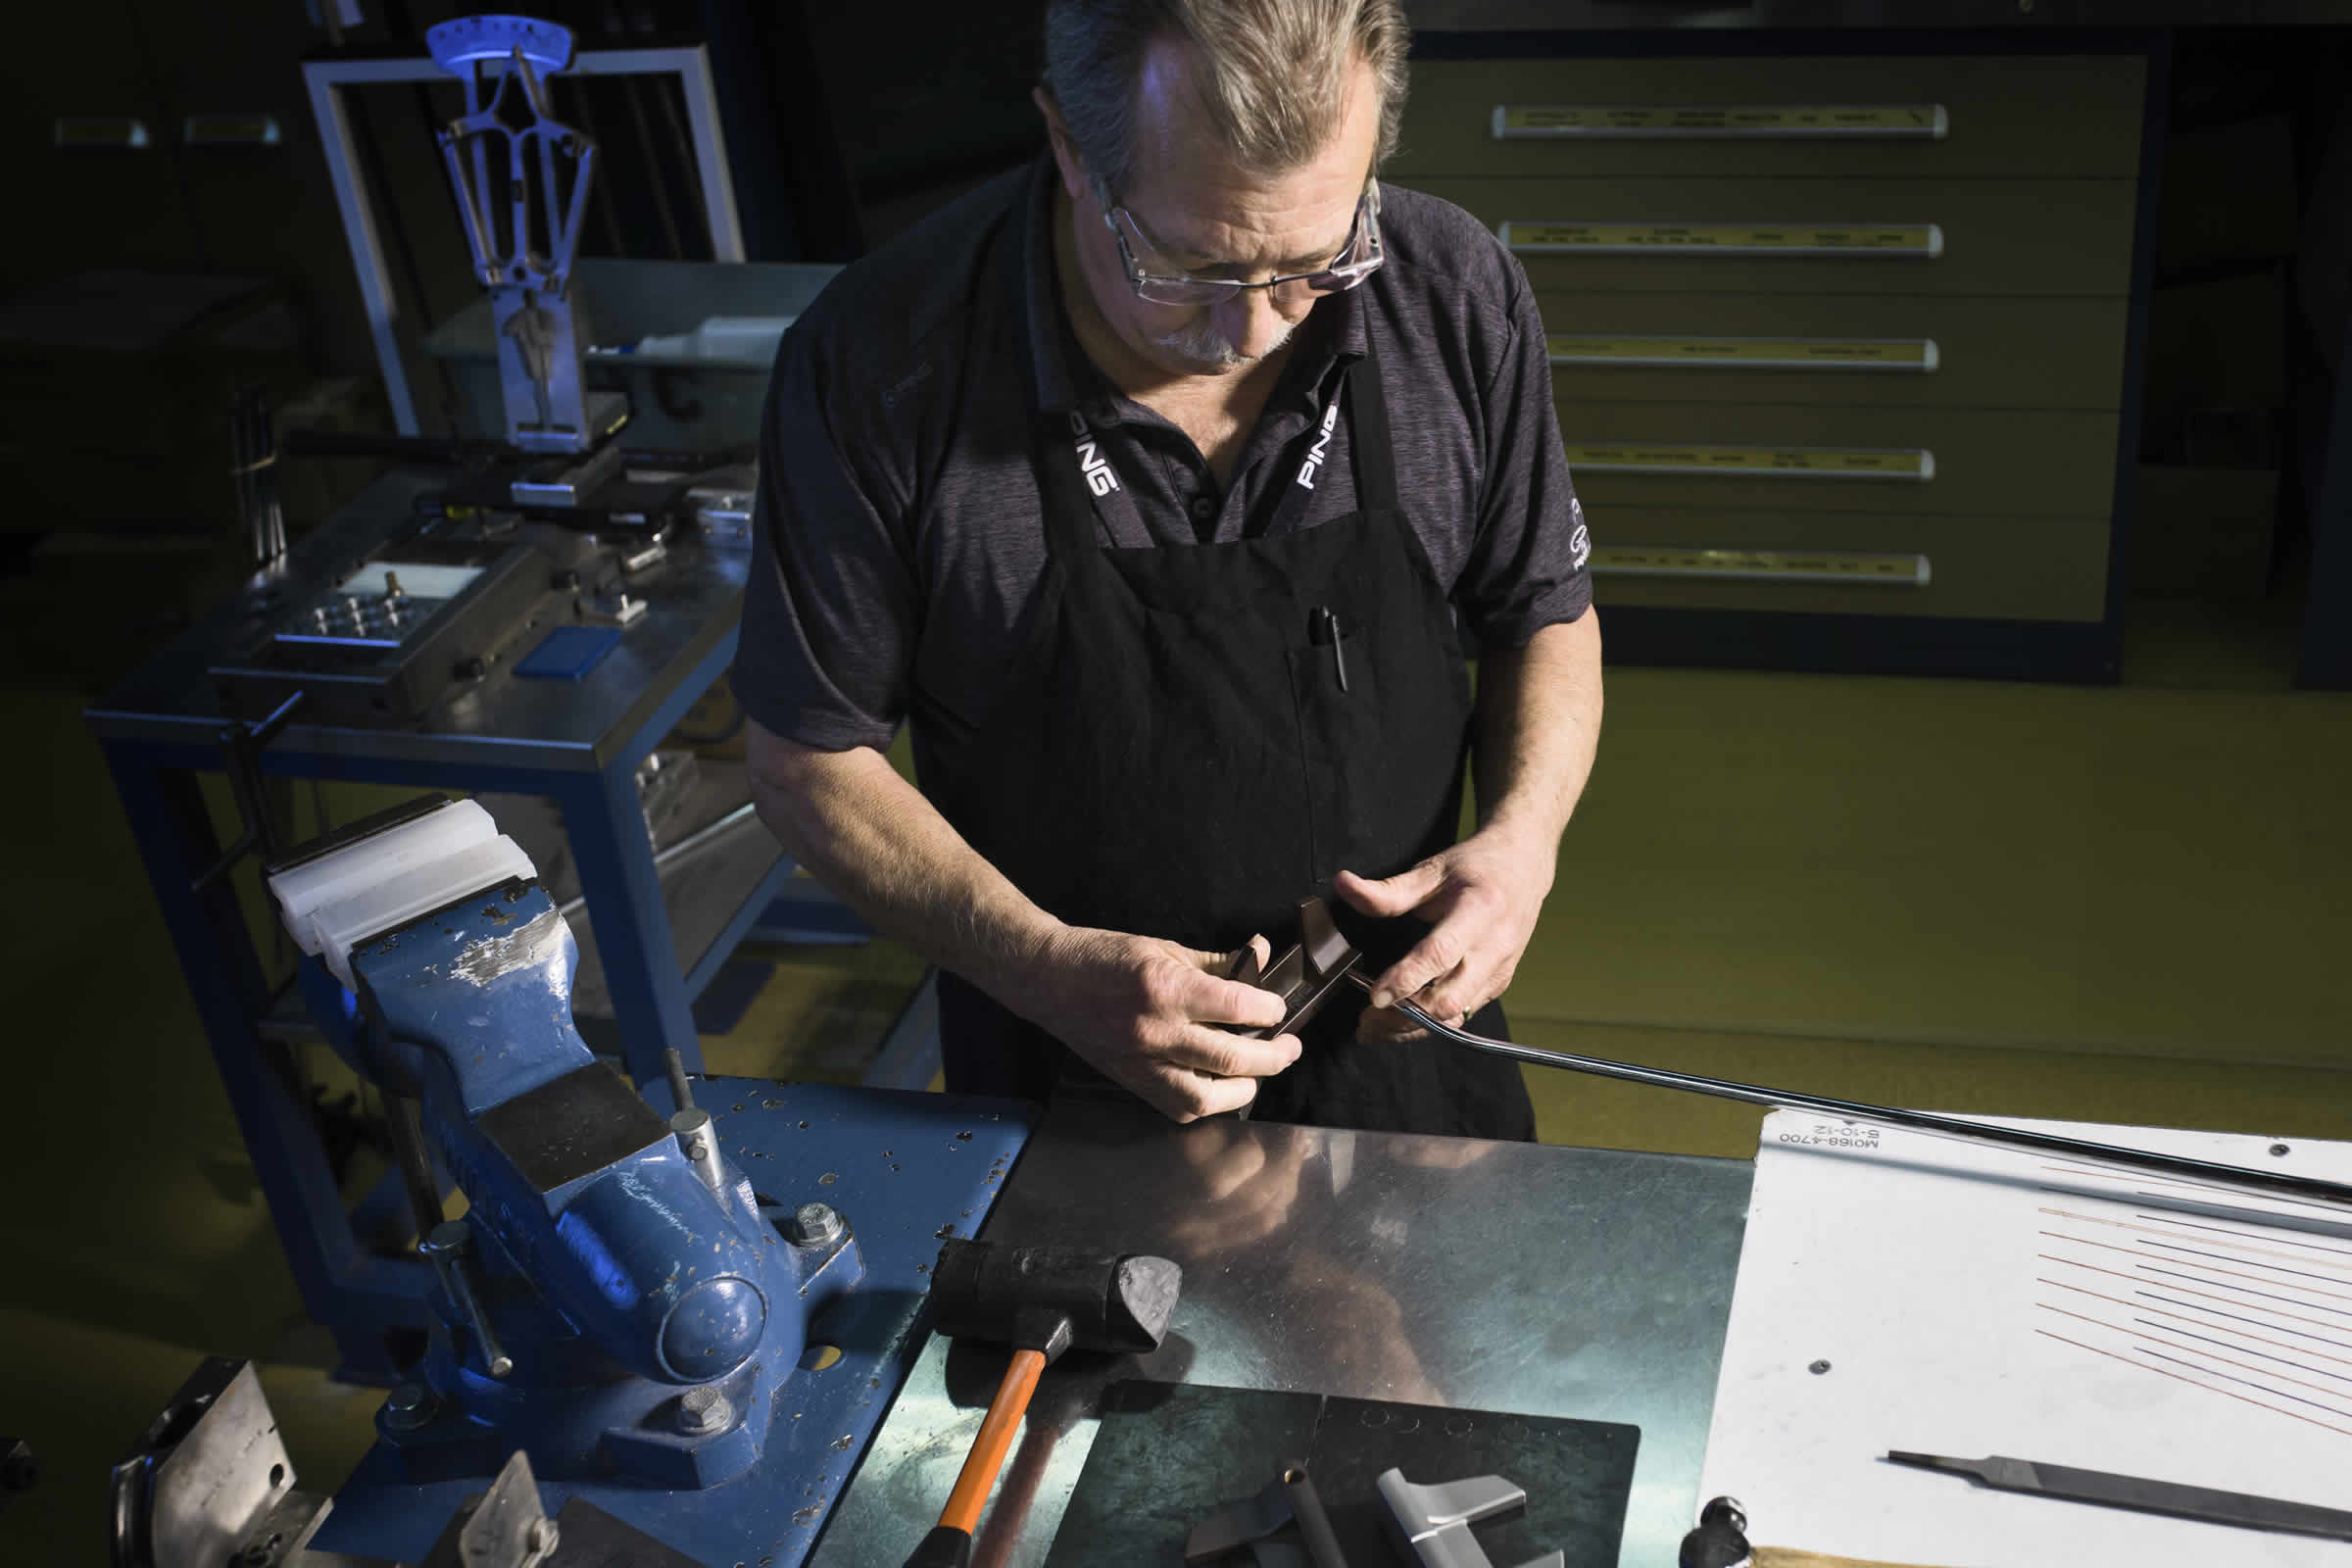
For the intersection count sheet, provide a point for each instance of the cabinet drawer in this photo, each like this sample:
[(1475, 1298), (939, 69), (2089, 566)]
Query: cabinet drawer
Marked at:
[(2012, 353), (2000, 237), (1991, 567), (2004, 116), (1988, 461)]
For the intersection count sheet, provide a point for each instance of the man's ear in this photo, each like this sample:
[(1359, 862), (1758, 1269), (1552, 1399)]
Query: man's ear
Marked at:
[(1065, 152)]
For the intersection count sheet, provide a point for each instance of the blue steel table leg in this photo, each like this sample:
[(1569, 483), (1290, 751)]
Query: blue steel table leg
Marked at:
[(605, 824), (355, 1296)]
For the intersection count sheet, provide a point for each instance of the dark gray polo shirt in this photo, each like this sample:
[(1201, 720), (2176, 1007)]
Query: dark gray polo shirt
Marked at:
[(899, 536)]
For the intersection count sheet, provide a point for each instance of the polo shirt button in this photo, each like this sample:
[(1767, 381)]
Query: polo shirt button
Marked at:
[(1204, 508)]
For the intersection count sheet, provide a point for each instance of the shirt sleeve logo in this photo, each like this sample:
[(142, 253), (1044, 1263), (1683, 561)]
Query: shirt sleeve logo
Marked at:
[(1580, 542)]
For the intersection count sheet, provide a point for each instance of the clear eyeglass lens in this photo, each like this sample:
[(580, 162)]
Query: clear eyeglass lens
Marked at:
[(1355, 263)]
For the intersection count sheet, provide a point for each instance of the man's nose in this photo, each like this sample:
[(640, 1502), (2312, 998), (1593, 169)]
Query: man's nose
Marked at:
[(1254, 322)]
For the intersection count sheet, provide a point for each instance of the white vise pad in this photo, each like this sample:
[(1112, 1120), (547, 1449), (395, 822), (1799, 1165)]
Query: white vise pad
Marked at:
[(394, 876)]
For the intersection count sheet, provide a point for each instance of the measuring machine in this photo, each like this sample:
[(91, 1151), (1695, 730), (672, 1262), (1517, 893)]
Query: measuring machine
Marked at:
[(386, 632)]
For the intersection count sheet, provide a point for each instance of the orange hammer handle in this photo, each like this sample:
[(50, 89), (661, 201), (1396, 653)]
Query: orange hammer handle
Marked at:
[(989, 1449)]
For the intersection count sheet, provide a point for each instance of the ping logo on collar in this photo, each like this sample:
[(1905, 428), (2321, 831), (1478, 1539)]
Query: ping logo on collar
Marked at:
[(1315, 454), (1093, 466)]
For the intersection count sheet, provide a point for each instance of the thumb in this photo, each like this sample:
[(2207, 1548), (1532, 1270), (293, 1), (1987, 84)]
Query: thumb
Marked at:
[(1243, 963), (1397, 894), (1237, 976)]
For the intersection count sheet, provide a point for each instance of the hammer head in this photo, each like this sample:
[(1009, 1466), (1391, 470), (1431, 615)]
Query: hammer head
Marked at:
[(1050, 1297)]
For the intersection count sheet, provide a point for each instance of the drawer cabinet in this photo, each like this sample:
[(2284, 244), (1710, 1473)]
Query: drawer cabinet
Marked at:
[(1912, 419)]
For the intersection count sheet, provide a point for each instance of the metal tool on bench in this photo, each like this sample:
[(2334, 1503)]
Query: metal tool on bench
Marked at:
[(2140, 1495), (1040, 1300), (1432, 1523), (1288, 1500), (2276, 1183), (617, 1299), (210, 1482)]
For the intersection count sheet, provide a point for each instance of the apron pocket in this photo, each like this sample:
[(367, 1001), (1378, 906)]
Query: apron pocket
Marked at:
[(1342, 752)]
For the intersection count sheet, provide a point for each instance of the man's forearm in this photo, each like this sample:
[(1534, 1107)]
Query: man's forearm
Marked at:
[(1537, 725), (871, 836)]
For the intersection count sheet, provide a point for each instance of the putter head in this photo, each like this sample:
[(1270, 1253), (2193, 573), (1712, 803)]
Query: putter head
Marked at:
[(1303, 974)]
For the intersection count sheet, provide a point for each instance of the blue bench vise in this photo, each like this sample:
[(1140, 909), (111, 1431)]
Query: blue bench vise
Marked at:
[(618, 1302)]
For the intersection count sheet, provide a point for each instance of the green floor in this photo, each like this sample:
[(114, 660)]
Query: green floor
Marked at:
[(2125, 904)]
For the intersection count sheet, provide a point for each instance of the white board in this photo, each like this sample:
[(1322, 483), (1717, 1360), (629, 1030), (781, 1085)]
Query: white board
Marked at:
[(1972, 1300)]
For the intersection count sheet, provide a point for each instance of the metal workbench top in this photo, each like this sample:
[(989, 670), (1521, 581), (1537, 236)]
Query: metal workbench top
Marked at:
[(693, 605), (1512, 1277)]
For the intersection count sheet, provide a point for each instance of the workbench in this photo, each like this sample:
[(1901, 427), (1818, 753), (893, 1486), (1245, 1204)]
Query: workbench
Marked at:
[(647, 946), (1507, 1277)]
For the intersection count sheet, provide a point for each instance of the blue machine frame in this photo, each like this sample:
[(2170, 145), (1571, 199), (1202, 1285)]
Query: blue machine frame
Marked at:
[(159, 732)]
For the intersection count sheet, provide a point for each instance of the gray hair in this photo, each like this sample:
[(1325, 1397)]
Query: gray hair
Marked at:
[(1272, 75)]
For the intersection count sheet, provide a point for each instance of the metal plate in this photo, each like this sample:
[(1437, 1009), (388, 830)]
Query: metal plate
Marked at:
[(1440, 1271), (1166, 1459)]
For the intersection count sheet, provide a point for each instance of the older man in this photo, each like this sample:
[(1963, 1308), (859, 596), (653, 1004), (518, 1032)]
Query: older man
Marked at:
[(1148, 484)]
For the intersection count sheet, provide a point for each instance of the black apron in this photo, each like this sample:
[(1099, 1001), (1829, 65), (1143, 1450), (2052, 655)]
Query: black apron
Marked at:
[(1194, 738)]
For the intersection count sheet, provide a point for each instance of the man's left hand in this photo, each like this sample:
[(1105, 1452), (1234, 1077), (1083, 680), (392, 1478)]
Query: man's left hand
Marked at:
[(1481, 899)]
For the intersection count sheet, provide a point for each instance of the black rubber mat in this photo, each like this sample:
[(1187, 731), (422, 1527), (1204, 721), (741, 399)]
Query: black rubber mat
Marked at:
[(1168, 1457)]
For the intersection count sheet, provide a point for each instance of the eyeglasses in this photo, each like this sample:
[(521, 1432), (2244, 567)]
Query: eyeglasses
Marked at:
[(1358, 259)]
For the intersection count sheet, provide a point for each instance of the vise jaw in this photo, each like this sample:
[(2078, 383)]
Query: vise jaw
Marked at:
[(611, 1303)]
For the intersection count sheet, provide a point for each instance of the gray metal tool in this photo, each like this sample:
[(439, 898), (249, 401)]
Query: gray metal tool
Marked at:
[(1290, 1498), (2142, 1495), (2278, 1183), (1433, 1523)]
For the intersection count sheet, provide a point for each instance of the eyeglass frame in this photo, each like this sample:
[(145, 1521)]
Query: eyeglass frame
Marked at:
[(1364, 229)]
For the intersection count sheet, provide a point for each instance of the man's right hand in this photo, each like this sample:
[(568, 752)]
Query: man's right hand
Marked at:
[(1147, 1014)]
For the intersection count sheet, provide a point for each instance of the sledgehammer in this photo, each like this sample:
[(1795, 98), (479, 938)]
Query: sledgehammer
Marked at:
[(1040, 1300)]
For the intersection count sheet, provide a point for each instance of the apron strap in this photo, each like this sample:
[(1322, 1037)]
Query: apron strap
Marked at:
[(1082, 484), (1371, 453)]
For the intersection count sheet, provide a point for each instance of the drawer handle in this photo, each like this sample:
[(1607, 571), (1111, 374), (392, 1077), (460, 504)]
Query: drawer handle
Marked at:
[(1753, 462), (1762, 565), (1635, 351), (1875, 242), (1771, 121)]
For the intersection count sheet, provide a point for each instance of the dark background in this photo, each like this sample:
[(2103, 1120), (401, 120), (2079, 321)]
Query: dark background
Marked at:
[(845, 123)]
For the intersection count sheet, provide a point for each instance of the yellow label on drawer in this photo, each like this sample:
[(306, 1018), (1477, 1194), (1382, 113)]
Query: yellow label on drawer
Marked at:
[(1751, 462), (232, 130), (1907, 240), (1926, 122), (99, 132), (1746, 353), (1762, 565)]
